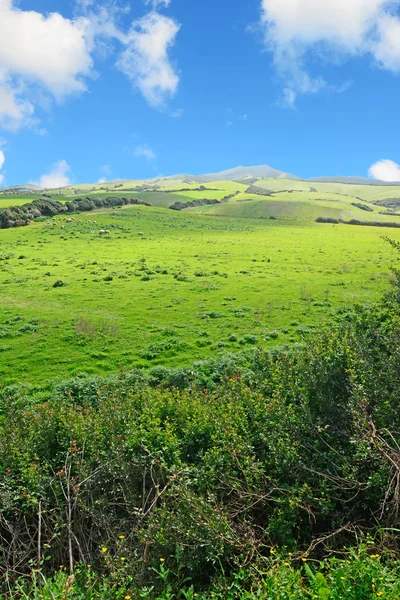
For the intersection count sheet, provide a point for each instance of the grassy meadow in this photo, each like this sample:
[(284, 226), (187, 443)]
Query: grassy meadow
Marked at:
[(244, 474), (195, 286)]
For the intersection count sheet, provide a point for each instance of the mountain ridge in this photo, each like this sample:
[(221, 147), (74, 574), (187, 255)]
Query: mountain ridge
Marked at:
[(239, 174)]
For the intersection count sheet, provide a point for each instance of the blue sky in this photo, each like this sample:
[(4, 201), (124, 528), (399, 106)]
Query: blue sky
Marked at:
[(92, 90)]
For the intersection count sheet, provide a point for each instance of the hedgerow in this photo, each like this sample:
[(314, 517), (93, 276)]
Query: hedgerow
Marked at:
[(19, 216), (200, 477)]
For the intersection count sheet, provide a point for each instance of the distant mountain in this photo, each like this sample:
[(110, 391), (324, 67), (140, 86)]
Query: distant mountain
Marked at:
[(352, 180), (237, 174), (247, 175), (27, 188)]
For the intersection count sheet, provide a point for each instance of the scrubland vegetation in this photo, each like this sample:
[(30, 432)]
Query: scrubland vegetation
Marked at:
[(208, 410), (239, 478)]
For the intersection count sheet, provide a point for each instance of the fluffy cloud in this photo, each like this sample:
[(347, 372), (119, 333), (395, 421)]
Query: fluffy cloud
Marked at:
[(295, 29), (2, 159), (145, 60), (55, 55), (57, 177), (15, 112), (50, 51), (385, 170), (145, 152), (387, 49)]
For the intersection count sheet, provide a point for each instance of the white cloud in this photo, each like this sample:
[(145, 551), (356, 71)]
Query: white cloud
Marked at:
[(15, 112), (57, 177), (387, 50), (145, 60), (145, 152), (299, 30), (2, 159), (385, 170), (52, 56), (157, 3), (102, 180), (50, 51)]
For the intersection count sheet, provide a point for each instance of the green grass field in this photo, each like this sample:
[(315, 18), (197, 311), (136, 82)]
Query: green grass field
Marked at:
[(224, 466), (194, 287)]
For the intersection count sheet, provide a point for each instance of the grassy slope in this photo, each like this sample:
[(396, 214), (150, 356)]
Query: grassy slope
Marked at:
[(293, 199), (365, 192), (278, 277), (303, 206), (7, 200)]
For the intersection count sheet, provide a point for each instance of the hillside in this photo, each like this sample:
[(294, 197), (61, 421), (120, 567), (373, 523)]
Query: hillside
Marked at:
[(241, 192), (199, 391)]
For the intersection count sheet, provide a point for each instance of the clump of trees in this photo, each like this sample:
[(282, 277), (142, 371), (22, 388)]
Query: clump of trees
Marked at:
[(192, 203), (19, 216), (357, 222), (259, 191), (362, 206)]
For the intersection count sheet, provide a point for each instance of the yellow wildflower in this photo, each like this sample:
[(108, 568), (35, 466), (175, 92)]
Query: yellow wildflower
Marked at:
[(379, 593), (162, 559), (128, 597), (104, 549), (121, 537), (123, 558)]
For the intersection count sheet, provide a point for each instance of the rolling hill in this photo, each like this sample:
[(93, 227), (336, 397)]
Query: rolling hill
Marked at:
[(246, 192)]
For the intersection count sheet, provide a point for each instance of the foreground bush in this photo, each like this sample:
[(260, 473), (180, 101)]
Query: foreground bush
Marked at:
[(206, 472), (361, 576)]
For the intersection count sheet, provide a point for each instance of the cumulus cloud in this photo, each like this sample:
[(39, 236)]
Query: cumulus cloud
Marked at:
[(145, 60), (54, 55), (102, 180), (50, 51), (2, 159), (56, 178), (297, 30), (15, 112), (385, 170), (145, 152)]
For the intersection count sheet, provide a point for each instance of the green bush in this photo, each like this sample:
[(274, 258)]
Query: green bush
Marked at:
[(215, 469)]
